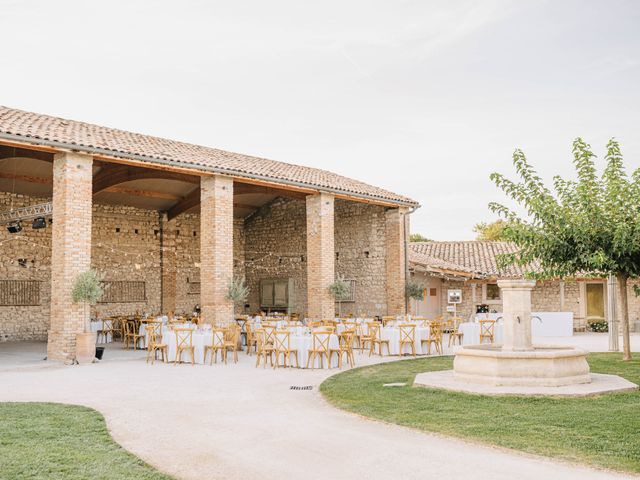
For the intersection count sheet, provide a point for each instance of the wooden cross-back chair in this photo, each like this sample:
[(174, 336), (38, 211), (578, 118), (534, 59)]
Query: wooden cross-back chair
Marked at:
[(319, 348), (231, 342), (282, 347), (487, 330), (408, 337), (455, 333), (217, 345), (105, 330), (376, 339), (154, 344), (435, 337), (345, 347), (184, 343), (263, 349), (131, 335)]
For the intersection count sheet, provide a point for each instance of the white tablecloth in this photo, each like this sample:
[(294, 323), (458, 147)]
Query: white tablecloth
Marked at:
[(96, 326), (142, 342), (471, 333), (303, 344), (393, 335), (200, 339)]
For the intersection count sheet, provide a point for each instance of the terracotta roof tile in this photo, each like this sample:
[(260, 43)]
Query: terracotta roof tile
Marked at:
[(470, 256), (70, 132)]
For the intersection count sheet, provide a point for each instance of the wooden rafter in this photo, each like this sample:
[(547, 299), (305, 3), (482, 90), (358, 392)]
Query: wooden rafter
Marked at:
[(111, 176), (187, 203)]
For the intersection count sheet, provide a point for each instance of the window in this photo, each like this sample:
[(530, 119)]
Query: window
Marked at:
[(23, 293), (492, 292), (124, 292), (352, 291)]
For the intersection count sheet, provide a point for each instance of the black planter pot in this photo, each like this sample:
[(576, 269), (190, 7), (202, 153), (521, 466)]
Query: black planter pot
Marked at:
[(99, 352)]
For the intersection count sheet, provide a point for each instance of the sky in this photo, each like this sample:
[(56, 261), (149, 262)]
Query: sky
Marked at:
[(424, 98)]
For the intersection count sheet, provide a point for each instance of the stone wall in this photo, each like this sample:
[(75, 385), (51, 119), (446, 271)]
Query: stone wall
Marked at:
[(275, 245), (271, 243), (32, 322)]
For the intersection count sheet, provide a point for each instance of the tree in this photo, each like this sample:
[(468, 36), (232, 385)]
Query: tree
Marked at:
[(87, 290), (237, 291), (341, 290), (493, 231), (415, 289), (587, 226), (418, 237)]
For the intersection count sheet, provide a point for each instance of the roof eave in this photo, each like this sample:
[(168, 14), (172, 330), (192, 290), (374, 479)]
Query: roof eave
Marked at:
[(114, 154)]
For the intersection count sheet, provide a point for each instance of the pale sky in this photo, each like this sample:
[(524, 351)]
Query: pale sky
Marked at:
[(424, 98)]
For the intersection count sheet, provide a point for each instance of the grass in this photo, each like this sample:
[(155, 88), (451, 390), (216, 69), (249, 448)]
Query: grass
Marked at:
[(602, 431), (55, 441)]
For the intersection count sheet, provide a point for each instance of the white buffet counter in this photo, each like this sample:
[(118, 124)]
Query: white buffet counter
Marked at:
[(551, 324)]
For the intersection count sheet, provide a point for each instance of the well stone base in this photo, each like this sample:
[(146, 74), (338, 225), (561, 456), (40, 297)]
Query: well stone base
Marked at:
[(600, 384), (542, 366)]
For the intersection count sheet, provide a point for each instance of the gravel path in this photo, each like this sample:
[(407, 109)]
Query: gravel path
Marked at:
[(238, 422)]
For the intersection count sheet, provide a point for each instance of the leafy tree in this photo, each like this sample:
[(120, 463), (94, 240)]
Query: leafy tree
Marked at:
[(587, 226), (493, 231), (341, 290), (418, 237), (87, 290), (415, 289), (237, 291)]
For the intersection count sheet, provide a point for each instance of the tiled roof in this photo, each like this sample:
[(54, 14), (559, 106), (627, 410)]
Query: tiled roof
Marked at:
[(470, 256), (34, 126)]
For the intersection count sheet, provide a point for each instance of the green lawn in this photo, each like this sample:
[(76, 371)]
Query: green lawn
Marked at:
[(55, 441), (602, 431)]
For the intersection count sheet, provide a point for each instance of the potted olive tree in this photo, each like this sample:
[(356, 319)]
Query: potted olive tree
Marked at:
[(237, 292), (341, 291), (87, 290)]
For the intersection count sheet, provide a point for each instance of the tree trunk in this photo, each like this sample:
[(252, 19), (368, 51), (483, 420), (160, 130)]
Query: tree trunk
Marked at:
[(626, 341)]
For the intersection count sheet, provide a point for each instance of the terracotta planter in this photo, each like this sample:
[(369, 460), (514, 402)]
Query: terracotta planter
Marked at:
[(86, 347)]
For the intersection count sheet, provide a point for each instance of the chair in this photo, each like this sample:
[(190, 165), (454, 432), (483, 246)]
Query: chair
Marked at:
[(319, 347), (131, 334), (282, 347), (105, 330), (217, 345), (376, 339), (435, 337), (345, 348), (184, 343), (408, 337), (368, 337), (231, 341), (153, 343), (314, 324), (455, 332), (263, 349), (250, 338), (487, 330), (269, 334)]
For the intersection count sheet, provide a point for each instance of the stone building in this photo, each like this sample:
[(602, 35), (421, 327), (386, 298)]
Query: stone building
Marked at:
[(169, 224), (472, 266)]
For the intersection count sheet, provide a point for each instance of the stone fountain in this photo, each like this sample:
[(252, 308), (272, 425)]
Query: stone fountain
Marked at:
[(518, 367), (517, 362)]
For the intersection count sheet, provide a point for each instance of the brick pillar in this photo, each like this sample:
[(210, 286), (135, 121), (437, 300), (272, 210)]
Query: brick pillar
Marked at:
[(169, 263), (320, 256), (70, 250), (216, 248), (395, 264)]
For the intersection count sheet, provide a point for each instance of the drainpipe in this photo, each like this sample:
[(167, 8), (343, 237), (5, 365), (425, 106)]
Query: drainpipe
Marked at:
[(406, 258)]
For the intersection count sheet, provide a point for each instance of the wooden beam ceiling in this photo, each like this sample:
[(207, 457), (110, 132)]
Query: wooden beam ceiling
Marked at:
[(10, 152), (110, 176)]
